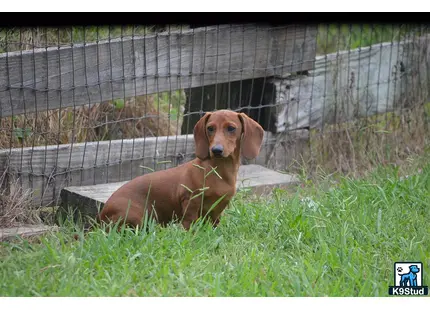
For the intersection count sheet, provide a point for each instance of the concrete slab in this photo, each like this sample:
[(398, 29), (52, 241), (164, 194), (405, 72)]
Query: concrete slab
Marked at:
[(89, 199)]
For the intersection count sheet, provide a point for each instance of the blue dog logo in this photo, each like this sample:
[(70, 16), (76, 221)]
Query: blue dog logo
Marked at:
[(408, 283), (410, 277)]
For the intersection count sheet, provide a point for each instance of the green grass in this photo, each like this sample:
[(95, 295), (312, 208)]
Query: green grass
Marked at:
[(336, 37), (337, 242), (170, 103), (15, 39)]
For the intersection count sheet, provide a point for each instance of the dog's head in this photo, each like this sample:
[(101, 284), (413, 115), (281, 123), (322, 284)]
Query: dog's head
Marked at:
[(414, 268), (223, 133)]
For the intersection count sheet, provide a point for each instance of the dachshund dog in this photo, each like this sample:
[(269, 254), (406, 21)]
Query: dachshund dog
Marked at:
[(221, 138)]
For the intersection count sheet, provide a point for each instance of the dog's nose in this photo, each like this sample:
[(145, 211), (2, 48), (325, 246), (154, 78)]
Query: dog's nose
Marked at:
[(217, 149)]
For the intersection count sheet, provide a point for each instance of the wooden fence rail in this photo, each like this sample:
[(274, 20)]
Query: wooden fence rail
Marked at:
[(353, 84), (52, 78)]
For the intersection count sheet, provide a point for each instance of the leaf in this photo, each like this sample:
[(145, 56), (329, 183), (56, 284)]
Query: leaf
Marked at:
[(195, 196), (187, 188), (195, 165), (216, 203), (164, 162), (144, 167), (119, 104), (22, 133), (137, 255), (18, 133), (214, 171)]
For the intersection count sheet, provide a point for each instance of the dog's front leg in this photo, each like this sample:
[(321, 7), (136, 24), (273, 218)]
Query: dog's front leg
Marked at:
[(215, 222), (190, 211), (216, 214)]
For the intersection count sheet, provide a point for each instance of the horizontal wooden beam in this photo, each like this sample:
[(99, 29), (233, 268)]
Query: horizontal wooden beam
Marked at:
[(52, 78), (354, 84), (46, 170)]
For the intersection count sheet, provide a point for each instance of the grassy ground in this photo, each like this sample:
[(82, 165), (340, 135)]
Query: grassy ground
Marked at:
[(337, 242)]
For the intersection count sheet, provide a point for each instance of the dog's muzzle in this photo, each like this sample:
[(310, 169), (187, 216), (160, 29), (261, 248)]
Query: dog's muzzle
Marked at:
[(217, 150)]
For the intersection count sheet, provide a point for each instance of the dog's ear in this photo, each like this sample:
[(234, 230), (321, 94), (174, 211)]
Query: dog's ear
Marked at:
[(252, 136), (201, 138)]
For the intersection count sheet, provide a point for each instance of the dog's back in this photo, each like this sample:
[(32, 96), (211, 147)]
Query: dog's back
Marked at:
[(154, 192)]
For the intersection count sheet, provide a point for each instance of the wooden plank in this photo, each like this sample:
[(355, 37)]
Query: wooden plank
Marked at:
[(353, 84), (89, 199), (25, 231), (52, 78), (46, 170)]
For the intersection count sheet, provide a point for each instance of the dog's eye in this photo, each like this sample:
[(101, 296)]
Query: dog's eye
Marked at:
[(231, 128), (210, 129)]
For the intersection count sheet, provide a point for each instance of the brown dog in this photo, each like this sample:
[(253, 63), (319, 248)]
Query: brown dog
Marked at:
[(220, 138)]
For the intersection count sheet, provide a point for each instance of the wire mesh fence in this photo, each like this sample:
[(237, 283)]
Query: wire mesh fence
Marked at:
[(93, 105)]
